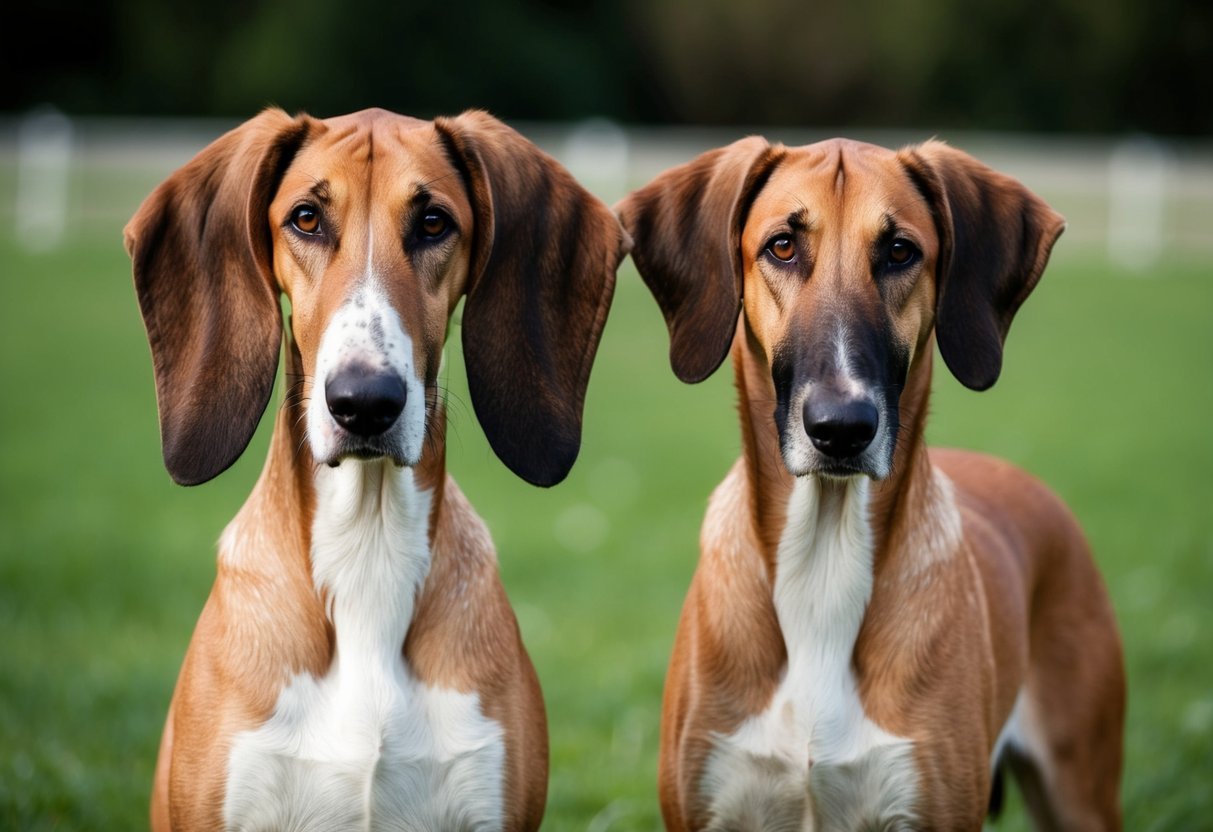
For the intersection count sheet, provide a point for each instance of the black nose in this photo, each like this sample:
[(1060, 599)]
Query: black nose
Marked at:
[(365, 402), (840, 428)]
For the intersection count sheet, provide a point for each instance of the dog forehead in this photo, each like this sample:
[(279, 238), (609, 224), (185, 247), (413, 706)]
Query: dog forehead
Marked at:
[(373, 149), (842, 179)]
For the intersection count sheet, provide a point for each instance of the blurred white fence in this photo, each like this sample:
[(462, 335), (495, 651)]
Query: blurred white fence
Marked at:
[(1129, 201)]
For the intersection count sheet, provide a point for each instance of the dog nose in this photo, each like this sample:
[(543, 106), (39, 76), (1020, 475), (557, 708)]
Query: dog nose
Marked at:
[(363, 401), (840, 428)]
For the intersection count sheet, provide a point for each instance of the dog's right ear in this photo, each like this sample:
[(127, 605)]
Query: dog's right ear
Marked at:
[(201, 252), (686, 243)]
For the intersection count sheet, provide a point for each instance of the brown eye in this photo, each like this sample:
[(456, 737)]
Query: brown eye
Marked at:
[(782, 248), (902, 253), (434, 224), (306, 220)]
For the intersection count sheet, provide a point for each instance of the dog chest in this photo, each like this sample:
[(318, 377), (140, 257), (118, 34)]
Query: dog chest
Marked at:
[(368, 746), (383, 754), (783, 771), (813, 760)]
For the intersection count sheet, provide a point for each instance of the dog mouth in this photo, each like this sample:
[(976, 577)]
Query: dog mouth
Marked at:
[(812, 464), (844, 469), (367, 452)]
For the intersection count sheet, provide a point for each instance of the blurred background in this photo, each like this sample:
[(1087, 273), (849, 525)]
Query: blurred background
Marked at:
[(1101, 107), (1065, 65)]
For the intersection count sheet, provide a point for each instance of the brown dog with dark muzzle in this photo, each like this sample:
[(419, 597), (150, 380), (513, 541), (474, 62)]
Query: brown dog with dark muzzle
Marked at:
[(357, 665), (875, 629)]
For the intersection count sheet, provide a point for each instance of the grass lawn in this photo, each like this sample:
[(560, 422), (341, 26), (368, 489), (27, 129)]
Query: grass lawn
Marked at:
[(1107, 393)]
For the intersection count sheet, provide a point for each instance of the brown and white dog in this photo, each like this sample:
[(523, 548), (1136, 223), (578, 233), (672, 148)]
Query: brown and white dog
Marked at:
[(357, 665), (874, 629)]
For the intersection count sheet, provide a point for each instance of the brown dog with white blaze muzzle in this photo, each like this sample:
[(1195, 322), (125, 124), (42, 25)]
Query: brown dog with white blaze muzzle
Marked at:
[(874, 629), (358, 665)]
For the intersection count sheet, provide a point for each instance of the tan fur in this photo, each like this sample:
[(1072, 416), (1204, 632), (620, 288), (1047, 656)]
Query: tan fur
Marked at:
[(212, 253), (983, 583)]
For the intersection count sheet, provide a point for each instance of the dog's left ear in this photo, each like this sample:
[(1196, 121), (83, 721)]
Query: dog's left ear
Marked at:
[(544, 256), (995, 237)]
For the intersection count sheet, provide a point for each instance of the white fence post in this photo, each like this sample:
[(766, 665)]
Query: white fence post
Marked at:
[(44, 156), (596, 152), (1138, 174)]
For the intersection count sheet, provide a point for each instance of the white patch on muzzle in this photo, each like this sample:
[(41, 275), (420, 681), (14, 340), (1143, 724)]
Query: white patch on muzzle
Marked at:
[(366, 331)]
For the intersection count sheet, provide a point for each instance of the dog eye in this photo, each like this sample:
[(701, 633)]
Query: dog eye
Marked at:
[(782, 248), (902, 253), (434, 224), (306, 220)]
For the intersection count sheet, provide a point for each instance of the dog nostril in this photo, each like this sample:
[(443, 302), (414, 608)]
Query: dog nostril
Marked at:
[(365, 402), (841, 428)]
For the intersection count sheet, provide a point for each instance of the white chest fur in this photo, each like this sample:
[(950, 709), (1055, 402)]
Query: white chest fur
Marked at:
[(367, 746), (813, 760)]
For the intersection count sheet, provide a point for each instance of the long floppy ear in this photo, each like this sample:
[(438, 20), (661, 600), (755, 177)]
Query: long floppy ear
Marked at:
[(686, 231), (995, 238), (544, 256), (201, 251)]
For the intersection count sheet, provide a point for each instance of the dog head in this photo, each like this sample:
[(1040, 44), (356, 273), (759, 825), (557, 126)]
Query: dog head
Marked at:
[(844, 258), (373, 225)]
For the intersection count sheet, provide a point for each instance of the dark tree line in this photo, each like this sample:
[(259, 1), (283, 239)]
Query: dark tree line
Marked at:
[(1041, 65)]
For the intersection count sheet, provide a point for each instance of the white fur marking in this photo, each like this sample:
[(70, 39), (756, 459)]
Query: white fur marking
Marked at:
[(370, 251), (1022, 734), (1011, 734), (798, 451), (842, 355), (812, 759), (368, 746), (936, 534)]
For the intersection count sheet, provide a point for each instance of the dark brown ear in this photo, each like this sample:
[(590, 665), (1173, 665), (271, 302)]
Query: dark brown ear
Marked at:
[(201, 250), (545, 251), (995, 238), (686, 232)]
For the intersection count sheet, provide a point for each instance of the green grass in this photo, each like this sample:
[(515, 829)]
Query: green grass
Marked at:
[(1107, 394)]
